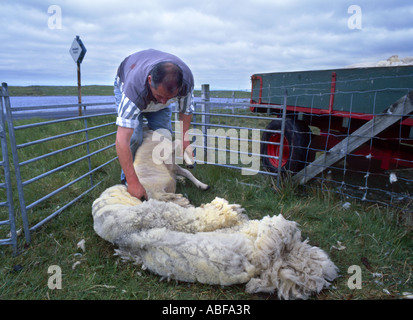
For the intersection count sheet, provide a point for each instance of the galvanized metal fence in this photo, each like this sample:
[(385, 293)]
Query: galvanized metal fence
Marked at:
[(6, 199), (41, 151), (227, 134), (352, 130), (370, 161), (224, 133), (47, 153)]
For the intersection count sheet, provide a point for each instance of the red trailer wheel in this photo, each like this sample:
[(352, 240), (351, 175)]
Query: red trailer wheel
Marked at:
[(274, 150), (295, 149)]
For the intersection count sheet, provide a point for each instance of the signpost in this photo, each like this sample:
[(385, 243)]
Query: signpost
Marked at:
[(78, 51)]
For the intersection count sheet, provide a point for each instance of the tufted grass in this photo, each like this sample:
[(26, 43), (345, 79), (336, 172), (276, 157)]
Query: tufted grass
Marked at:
[(369, 237), (374, 238)]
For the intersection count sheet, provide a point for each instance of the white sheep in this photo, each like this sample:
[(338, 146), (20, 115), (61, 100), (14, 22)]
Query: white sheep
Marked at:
[(215, 243)]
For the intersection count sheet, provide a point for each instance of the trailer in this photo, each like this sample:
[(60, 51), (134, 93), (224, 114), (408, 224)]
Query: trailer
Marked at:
[(357, 113)]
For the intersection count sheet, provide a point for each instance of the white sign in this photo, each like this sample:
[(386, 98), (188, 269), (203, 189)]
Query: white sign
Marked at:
[(77, 50)]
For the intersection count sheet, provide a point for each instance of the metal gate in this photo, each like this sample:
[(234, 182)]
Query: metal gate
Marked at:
[(22, 182), (227, 134), (6, 201), (231, 125)]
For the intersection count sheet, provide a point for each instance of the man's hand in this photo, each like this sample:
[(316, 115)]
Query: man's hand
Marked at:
[(138, 191)]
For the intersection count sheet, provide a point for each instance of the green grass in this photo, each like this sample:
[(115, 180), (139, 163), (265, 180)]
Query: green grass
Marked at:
[(368, 234), (102, 90), (372, 237), (91, 90)]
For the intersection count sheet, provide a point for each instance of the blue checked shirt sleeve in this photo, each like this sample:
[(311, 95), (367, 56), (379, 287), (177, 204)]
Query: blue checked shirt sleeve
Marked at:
[(128, 113), (186, 104)]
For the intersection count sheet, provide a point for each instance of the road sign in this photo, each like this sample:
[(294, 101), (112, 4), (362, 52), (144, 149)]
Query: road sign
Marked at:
[(77, 50)]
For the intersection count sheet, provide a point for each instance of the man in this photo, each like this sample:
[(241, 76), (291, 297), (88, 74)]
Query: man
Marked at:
[(146, 85)]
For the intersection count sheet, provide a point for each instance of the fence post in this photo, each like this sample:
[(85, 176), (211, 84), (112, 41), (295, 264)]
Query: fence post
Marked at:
[(281, 146), (205, 97), (16, 162), (7, 183)]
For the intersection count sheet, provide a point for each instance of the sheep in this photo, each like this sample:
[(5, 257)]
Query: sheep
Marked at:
[(215, 243)]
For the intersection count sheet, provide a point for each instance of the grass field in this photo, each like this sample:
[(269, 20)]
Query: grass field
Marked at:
[(100, 90), (369, 238), (373, 238)]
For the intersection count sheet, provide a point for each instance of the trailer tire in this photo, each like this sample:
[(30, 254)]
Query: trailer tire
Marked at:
[(295, 150)]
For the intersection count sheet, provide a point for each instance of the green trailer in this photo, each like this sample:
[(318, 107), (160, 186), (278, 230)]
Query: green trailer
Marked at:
[(325, 107)]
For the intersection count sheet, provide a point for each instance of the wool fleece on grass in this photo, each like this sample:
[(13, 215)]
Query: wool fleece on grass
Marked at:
[(215, 243)]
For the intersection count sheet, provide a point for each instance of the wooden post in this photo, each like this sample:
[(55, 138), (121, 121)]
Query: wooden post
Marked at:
[(79, 90), (395, 112)]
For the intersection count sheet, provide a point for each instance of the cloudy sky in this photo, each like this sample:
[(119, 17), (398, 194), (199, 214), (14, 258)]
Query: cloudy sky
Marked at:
[(224, 42)]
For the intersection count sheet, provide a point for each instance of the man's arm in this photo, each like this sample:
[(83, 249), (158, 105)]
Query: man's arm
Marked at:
[(123, 137)]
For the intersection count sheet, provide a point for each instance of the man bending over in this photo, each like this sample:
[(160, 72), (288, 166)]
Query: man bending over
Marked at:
[(146, 85)]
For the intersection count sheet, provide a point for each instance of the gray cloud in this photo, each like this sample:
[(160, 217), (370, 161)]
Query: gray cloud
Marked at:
[(224, 42)]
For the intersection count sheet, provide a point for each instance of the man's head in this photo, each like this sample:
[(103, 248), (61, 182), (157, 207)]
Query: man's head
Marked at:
[(165, 80)]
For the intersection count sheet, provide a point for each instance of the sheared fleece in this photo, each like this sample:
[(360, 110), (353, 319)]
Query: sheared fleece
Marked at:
[(215, 243)]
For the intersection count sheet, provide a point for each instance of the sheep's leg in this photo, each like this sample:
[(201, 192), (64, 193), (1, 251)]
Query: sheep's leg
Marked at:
[(187, 174)]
